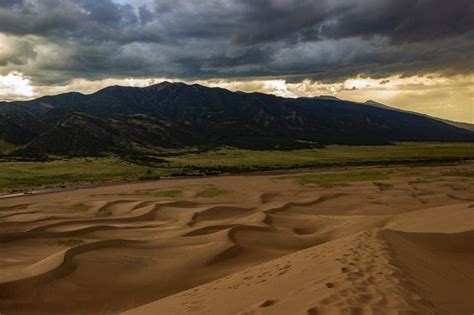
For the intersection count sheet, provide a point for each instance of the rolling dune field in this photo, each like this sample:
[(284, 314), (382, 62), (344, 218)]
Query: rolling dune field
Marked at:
[(396, 240)]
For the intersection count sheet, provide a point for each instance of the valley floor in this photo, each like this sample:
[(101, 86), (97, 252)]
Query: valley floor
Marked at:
[(392, 240)]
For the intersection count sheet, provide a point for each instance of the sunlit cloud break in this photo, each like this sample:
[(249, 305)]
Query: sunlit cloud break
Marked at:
[(15, 86)]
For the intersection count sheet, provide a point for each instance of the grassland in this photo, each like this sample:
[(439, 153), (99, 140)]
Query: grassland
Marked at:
[(330, 155), (26, 175)]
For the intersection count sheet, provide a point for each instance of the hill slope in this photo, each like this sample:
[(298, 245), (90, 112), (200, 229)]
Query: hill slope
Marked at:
[(174, 115), (461, 125)]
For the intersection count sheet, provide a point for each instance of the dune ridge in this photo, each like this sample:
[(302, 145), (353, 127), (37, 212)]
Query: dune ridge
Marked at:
[(58, 264)]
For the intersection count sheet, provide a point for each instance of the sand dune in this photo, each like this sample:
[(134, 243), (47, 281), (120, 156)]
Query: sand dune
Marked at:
[(256, 245)]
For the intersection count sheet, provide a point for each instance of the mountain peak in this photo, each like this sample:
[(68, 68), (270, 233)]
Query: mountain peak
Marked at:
[(371, 102), (328, 97), (165, 85)]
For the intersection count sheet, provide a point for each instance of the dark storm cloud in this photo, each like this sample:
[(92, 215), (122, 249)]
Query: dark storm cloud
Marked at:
[(81, 20), (406, 20), (324, 40)]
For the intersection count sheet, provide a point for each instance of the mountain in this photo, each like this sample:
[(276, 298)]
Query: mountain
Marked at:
[(461, 125), (175, 115)]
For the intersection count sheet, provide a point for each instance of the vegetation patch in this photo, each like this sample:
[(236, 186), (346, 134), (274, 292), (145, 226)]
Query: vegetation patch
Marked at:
[(78, 207), (70, 242), (460, 174), (329, 180), (171, 193), (212, 192), (383, 186), (420, 181), (15, 207), (104, 212)]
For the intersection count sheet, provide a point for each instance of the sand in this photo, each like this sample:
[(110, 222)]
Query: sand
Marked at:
[(244, 245)]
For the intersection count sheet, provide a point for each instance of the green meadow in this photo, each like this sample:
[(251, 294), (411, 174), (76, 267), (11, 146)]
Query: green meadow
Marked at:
[(59, 172)]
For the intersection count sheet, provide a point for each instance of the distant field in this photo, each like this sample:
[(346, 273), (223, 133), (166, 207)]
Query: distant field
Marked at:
[(330, 155), (24, 175)]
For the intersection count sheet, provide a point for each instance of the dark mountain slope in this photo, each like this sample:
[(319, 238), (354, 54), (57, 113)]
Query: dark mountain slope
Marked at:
[(173, 115), (461, 125)]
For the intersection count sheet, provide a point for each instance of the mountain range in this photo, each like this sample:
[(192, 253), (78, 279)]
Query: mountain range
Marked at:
[(170, 116)]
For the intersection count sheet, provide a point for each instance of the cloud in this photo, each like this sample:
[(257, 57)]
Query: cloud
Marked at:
[(63, 40), (15, 52), (15, 85), (285, 47)]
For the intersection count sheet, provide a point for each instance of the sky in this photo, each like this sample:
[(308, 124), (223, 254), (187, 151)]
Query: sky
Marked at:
[(415, 55)]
